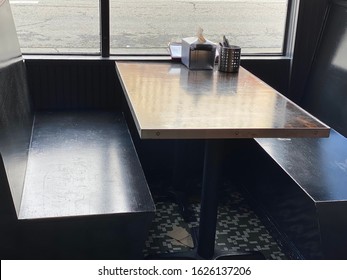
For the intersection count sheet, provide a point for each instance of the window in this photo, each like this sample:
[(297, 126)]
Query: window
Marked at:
[(147, 26), (52, 26)]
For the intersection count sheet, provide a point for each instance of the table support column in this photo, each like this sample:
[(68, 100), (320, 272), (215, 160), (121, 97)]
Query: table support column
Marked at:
[(209, 197)]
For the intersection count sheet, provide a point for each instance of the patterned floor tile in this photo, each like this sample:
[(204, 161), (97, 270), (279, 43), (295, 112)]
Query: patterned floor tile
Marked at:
[(238, 228)]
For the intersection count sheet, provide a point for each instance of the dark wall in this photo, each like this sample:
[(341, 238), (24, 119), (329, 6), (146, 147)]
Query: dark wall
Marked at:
[(309, 25), (93, 84), (15, 113), (15, 126), (273, 71), (65, 84), (326, 91)]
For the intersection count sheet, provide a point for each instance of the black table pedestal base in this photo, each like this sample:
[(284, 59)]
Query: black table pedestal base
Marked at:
[(205, 239)]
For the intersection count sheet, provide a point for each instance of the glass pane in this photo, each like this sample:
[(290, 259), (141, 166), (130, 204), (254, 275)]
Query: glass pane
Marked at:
[(147, 26), (52, 26)]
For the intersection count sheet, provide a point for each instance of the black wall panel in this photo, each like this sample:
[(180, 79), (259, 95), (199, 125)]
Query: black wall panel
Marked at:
[(73, 84)]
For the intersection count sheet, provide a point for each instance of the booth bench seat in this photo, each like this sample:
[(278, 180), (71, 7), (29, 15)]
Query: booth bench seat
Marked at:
[(306, 193), (307, 198), (82, 163), (75, 183), (71, 183)]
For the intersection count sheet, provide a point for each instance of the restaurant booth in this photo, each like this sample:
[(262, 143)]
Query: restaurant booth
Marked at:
[(120, 157)]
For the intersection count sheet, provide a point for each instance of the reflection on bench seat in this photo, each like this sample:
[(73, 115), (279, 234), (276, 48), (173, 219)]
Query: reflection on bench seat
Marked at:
[(82, 163)]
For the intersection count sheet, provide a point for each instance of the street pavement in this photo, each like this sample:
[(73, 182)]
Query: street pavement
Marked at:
[(72, 26)]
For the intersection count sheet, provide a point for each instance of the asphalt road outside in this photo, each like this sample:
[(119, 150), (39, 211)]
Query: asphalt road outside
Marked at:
[(72, 26)]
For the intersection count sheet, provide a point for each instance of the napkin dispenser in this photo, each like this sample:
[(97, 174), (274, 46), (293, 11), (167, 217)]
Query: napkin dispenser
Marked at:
[(197, 55)]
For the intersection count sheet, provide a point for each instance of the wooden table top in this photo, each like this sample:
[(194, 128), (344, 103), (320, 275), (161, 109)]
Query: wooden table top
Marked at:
[(169, 101)]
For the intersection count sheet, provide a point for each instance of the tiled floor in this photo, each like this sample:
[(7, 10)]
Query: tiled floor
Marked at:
[(238, 227)]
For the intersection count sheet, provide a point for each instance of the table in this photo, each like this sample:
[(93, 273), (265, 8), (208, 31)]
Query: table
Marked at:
[(169, 101)]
